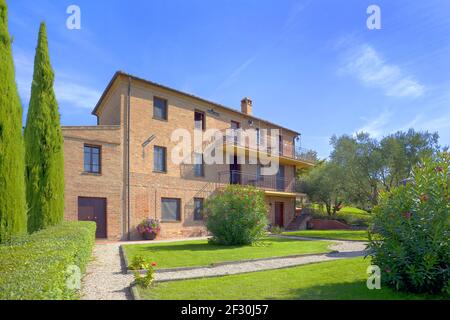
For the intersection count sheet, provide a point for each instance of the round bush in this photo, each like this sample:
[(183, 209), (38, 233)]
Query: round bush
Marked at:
[(409, 238), (236, 215)]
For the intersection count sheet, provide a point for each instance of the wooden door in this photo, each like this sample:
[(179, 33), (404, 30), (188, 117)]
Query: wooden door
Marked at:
[(93, 209), (279, 214)]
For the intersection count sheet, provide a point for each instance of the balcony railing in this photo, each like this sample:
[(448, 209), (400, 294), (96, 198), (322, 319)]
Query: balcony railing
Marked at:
[(286, 150), (272, 183), (303, 154)]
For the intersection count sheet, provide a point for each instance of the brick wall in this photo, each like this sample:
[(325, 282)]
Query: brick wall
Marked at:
[(105, 185), (147, 187)]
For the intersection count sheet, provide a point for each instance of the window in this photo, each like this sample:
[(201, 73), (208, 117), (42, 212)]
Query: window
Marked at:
[(258, 136), (280, 143), (199, 120), (92, 159), (159, 159), (198, 209), (235, 129), (159, 108), (199, 167), (170, 209), (258, 172)]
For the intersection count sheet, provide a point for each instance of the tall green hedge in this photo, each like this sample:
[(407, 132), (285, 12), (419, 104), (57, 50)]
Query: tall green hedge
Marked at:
[(44, 145), (36, 267), (13, 217)]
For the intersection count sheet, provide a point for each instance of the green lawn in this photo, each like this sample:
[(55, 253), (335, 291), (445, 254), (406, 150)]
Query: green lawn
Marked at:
[(351, 210), (331, 234), (341, 279), (200, 253)]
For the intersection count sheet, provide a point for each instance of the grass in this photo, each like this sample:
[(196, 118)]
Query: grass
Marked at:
[(331, 234), (341, 280), (351, 210), (351, 215), (200, 253)]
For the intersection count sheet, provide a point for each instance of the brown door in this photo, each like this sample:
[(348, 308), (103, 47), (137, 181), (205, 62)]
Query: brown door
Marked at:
[(93, 209), (279, 214)]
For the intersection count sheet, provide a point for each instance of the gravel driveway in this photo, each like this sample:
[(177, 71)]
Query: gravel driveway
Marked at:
[(106, 277)]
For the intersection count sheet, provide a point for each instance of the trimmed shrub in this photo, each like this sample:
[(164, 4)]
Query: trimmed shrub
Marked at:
[(412, 230), (44, 146), (13, 213), (36, 267), (236, 215)]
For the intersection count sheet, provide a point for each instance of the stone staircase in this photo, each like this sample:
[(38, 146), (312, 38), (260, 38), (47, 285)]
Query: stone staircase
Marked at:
[(300, 222)]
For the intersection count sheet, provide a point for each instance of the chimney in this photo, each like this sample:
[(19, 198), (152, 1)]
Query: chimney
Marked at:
[(246, 106)]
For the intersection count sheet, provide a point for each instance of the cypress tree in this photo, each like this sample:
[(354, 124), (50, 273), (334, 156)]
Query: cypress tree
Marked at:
[(13, 216), (44, 154)]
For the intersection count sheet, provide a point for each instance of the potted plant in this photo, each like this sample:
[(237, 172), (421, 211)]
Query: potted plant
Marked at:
[(149, 228)]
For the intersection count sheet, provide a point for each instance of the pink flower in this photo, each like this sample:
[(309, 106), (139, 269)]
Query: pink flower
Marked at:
[(406, 215)]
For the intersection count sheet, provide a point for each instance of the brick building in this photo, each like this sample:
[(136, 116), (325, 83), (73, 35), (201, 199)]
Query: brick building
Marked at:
[(120, 171)]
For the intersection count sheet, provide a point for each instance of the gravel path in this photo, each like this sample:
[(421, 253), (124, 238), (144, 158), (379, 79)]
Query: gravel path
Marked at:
[(106, 277), (346, 250)]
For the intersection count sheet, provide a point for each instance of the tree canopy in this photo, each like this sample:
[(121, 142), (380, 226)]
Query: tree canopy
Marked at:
[(44, 145), (360, 166), (13, 218)]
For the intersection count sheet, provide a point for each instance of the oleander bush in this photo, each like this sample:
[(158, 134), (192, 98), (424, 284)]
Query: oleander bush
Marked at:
[(236, 215), (412, 229), (37, 267)]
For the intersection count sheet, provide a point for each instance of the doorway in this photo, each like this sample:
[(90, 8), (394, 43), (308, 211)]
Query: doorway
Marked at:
[(93, 209), (279, 214)]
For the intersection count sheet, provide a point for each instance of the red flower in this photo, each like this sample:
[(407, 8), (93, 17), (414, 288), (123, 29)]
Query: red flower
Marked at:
[(424, 198), (154, 264)]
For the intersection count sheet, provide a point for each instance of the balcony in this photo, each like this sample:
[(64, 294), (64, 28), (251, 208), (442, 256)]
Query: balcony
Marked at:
[(288, 153), (270, 184)]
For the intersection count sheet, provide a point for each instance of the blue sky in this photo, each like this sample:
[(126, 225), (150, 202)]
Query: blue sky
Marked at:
[(312, 66)]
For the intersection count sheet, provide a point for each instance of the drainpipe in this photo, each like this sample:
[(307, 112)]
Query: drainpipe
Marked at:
[(128, 158)]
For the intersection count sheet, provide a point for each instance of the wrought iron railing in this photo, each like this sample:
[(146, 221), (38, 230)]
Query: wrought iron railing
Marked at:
[(272, 182), (287, 149), (305, 154)]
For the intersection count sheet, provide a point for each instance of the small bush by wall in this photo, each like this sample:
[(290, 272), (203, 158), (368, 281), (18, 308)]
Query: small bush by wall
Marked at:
[(35, 267), (236, 215)]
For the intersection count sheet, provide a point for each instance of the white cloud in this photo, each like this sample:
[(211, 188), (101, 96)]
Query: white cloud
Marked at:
[(75, 94), (377, 126), (366, 64), (67, 90), (236, 73)]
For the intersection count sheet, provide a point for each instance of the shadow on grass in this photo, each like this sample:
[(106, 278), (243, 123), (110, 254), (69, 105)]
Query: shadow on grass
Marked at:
[(265, 243), (354, 291)]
